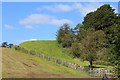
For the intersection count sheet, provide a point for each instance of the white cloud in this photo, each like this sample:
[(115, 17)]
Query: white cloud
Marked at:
[(32, 39), (82, 8), (58, 8), (7, 26), (37, 19), (59, 22)]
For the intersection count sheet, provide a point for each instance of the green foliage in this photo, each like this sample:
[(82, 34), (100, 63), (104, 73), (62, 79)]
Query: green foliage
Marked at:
[(117, 70), (75, 50), (113, 35), (89, 20), (97, 39), (101, 18), (99, 35), (52, 48), (78, 26), (65, 36), (91, 44), (105, 19), (79, 32)]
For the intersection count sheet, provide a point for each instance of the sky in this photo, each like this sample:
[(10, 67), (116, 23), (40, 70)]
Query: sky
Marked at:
[(23, 21)]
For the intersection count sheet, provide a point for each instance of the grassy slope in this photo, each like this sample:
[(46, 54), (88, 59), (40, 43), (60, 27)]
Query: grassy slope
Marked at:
[(53, 49), (50, 47), (17, 64)]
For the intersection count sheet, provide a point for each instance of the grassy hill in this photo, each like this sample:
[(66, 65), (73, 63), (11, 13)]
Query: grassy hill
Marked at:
[(20, 65), (52, 48)]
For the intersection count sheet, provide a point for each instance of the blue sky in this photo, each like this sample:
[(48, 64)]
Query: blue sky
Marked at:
[(22, 21)]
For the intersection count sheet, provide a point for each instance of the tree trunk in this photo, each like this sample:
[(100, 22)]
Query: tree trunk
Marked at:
[(91, 64)]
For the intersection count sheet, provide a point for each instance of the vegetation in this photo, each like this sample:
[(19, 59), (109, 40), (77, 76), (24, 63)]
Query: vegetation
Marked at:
[(91, 45), (100, 19), (95, 42), (27, 65), (52, 48), (98, 35), (65, 36)]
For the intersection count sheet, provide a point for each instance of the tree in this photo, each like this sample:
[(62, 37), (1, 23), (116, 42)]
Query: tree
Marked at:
[(89, 20), (75, 48), (117, 49), (105, 19), (113, 36), (60, 35), (102, 18), (91, 44), (65, 36), (79, 32)]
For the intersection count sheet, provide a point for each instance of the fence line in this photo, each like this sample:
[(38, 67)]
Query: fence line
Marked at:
[(94, 72)]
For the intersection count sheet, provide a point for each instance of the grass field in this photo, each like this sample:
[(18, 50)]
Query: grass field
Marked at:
[(52, 48), (20, 65)]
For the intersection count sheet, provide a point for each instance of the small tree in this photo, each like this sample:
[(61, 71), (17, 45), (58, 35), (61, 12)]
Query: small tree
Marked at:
[(65, 36)]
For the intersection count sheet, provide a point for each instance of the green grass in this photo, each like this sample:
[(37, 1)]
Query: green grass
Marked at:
[(52, 48), (103, 66), (20, 65)]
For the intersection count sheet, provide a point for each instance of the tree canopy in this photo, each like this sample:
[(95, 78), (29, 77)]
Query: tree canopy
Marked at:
[(98, 35)]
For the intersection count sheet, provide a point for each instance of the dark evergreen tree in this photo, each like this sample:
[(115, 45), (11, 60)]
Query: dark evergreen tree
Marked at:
[(102, 18)]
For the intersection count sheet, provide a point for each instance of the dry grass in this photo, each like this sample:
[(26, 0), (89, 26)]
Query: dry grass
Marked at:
[(21, 65)]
